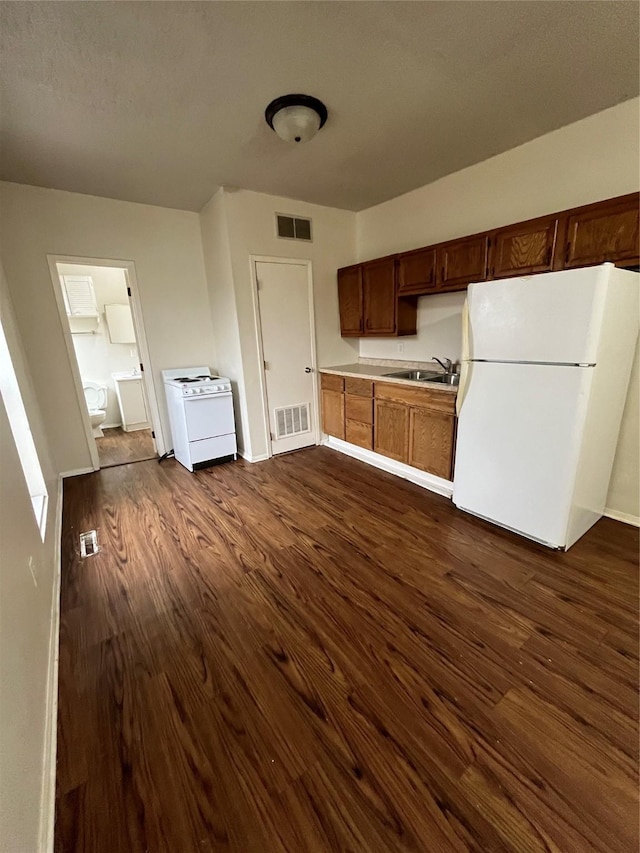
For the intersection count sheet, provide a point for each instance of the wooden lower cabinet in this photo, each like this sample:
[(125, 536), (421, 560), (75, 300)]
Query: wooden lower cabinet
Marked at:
[(391, 430), (333, 413), (359, 433), (431, 441)]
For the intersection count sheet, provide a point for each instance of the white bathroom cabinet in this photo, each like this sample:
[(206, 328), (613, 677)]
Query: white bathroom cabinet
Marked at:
[(130, 394)]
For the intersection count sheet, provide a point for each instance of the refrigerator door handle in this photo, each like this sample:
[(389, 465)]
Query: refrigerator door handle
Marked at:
[(465, 372), (464, 360), (464, 356)]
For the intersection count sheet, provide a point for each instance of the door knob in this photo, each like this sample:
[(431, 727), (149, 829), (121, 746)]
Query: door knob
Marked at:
[(307, 370)]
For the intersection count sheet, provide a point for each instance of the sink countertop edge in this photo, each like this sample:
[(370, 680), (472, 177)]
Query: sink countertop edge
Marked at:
[(375, 376)]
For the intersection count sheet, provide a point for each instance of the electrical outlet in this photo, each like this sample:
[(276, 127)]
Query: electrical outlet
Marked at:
[(400, 347)]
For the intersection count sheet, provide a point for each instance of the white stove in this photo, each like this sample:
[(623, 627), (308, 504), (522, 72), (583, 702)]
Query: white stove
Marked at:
[(201, 415)]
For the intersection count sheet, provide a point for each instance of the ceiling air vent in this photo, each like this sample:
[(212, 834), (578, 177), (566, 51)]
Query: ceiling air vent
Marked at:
[(293, 227)]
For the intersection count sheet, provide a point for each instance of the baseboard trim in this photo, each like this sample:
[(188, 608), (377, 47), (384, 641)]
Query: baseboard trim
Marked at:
[(399, 469), (76, 473), (625, 517), (262, 457), (48, 793)]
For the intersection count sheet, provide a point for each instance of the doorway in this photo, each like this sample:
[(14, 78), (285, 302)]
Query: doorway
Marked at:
[(286, 334), (95, 305)]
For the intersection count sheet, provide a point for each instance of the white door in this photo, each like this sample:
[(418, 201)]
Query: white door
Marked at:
[(518, 444), (288, 350), (552, 317)]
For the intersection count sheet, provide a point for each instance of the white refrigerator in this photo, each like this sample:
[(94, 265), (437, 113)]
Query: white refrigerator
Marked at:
[(545, 371)]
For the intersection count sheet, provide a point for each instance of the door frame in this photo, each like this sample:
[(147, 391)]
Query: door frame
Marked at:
[(141, 343), (257, 324)]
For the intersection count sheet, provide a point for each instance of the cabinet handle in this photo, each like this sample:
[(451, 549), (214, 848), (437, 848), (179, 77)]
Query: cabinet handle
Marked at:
[(549, 254)]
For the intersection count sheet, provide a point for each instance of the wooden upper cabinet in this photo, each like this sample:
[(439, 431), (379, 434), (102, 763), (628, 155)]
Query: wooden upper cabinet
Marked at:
[(523, 249), (379, 296), (607, 231), (350, 301), (462, 261), (417, 272)]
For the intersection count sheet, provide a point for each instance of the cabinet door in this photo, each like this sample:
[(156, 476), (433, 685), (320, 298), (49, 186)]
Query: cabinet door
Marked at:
[(379, 291), (606, 232), (431, 441), (417, 272), (462, 262), (350, 301), (523, 249), (333, 413), (391, 430)]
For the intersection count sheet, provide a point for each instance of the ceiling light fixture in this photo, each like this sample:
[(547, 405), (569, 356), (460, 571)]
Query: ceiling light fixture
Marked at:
[(296, 118)]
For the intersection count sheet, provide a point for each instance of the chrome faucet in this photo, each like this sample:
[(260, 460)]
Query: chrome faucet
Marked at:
[(448, 367)]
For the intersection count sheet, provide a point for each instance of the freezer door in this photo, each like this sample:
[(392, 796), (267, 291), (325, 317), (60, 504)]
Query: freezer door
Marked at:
[(519, 435), (555, 317)]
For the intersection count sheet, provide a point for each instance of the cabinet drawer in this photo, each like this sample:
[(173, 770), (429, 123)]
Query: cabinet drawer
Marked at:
[(359, 387), (430, 398), (359, 409), (360, 434), (331, 382)]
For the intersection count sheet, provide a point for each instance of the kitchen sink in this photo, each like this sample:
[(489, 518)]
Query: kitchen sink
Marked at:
[(445, 378), (417, 375), (426, 376)]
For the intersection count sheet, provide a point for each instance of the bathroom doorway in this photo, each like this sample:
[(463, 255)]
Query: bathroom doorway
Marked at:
[(96, 307)]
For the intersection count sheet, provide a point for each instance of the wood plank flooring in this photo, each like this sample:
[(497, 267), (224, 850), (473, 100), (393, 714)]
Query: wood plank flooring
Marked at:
[(118, 447), (308, 654)]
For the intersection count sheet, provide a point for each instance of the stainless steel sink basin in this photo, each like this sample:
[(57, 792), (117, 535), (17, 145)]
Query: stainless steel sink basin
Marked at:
[(417, 375), (426, 376), (446, 379)]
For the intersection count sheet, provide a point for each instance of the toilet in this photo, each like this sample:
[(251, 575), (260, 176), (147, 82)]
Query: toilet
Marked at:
[(96, 396)]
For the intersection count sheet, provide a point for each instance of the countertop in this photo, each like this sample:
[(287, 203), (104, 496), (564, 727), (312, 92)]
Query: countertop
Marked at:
[(377, 371)]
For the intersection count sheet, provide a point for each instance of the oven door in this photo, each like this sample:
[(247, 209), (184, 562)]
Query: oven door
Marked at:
[(209, 416)]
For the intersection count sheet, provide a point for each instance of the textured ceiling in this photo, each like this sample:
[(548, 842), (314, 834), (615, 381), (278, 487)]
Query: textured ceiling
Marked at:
[(163, 102)]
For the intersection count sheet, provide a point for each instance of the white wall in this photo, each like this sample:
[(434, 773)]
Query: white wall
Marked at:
[(97, 357), (224, 315), (250, 220), (593, 159), (26, 614), (165, 246)]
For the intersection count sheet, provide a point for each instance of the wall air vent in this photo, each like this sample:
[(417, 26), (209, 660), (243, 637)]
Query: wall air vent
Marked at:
[(292, 420), (293, 228)]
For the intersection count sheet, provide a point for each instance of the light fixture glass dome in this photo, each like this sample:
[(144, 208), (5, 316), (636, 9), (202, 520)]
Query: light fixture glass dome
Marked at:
[(296, 118)]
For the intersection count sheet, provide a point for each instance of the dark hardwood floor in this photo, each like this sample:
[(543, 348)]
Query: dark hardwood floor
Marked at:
[(308, 654), (118, 447)]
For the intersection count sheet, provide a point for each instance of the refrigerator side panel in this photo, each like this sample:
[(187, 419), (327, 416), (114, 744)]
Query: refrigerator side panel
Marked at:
[(606, 402), (518, 445), (553, 317)]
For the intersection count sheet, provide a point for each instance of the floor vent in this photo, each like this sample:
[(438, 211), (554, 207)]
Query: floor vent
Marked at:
[(292, 420), (89, 544), (293, 228)]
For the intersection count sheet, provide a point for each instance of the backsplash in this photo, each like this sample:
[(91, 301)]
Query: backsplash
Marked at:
[(439, 333)]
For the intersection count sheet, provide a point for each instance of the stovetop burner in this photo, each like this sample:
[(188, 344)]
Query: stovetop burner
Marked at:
[(194, 378)]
